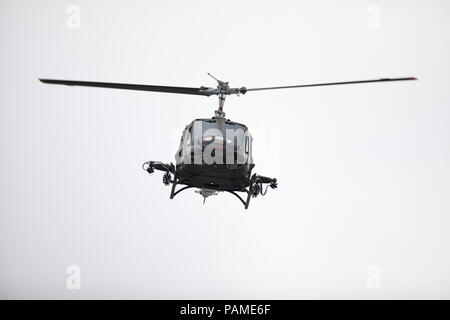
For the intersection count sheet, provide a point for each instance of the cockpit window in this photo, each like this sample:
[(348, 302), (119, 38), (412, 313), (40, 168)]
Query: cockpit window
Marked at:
[(218, 131), (215, 141)]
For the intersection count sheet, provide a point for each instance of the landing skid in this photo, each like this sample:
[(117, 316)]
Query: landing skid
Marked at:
[(253, 190)]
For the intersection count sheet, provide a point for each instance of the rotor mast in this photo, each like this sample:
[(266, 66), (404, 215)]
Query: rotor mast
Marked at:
[(222, 91)]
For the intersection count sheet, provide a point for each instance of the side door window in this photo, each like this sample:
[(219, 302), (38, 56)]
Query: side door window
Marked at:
[(247, 144)]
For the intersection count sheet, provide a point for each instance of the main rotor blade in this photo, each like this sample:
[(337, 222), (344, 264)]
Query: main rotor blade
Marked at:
[(332, 83), (140, 87)]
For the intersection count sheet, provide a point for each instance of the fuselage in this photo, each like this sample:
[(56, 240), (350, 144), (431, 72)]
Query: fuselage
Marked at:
[(215, 154)]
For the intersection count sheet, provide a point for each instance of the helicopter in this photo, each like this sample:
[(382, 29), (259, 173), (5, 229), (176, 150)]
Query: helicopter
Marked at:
[(215, 154)]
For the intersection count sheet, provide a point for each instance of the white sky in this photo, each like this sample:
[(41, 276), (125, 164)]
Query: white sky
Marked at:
[(363, 170)]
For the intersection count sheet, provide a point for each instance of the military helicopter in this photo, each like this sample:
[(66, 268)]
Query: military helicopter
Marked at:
[(215, 154)]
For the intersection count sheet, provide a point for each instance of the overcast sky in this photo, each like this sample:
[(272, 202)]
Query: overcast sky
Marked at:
[(362, 209)]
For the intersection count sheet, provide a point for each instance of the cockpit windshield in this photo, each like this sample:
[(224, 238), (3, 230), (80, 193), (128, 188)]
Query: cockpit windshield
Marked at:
[(218, 132), (215, 141)]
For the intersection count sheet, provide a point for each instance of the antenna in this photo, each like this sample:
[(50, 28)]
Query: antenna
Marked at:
[(218, 81)]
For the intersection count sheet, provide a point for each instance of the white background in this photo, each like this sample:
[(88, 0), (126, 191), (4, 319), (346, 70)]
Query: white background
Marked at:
[(363, 170)]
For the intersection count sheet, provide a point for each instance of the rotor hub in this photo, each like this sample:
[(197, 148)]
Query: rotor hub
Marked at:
[(223, 89)]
